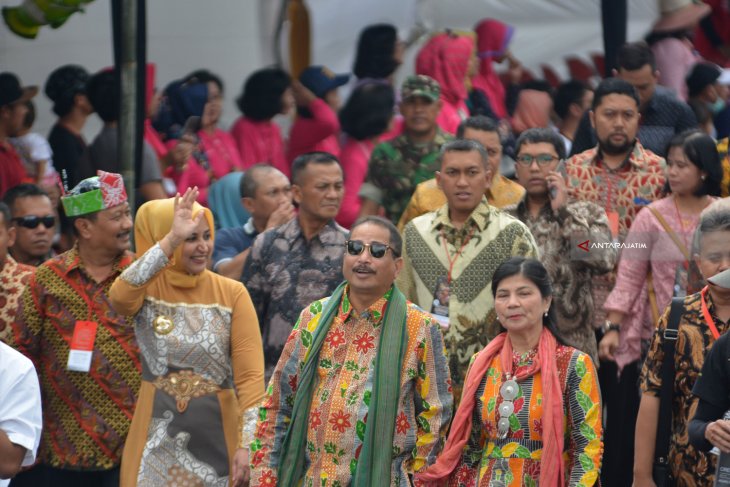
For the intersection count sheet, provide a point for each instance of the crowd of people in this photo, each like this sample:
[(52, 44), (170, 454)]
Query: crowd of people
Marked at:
[(467, 279)]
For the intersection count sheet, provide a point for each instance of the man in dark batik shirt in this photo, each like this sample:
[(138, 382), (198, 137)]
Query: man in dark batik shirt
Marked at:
[(300, 261)]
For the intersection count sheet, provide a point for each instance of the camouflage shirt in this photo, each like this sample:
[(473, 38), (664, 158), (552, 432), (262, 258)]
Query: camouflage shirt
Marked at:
[(396, 167)]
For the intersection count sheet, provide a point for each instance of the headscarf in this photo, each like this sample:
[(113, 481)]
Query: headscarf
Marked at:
[(493, 37), (224, 200), (445, 58), (532, 111), (150, 134), (180, 101), (152, 222), (551, 463)]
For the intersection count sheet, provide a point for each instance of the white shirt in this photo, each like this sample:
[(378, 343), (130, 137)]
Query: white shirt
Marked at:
[(20, 407)]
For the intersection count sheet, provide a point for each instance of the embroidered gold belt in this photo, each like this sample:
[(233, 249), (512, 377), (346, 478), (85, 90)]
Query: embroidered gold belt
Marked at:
[(184, 386)]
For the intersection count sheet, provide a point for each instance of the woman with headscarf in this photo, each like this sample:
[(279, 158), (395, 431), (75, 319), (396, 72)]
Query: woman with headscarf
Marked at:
[(530, 411), (202, 373), (190, 111), (449, 59), (493, 38)]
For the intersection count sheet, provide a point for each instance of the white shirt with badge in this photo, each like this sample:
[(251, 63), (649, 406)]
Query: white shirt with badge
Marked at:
[(20, 406)]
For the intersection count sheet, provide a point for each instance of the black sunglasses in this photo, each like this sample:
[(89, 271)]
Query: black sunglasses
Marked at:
[(32, 221), (377, 249)]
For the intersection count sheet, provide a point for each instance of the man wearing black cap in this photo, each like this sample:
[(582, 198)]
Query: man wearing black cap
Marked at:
[(66, 88), (707, 84), (12, 112)]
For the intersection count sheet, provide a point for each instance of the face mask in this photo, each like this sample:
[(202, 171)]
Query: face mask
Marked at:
[(717, 106)]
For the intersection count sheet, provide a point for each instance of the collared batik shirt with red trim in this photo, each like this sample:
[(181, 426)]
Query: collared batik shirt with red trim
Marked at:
[(340, 405), (86, 416)]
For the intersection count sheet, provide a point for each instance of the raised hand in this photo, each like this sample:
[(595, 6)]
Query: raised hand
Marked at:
[(183, 222)]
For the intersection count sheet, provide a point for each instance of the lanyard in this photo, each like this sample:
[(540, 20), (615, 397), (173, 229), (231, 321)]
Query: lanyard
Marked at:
[(457, 254), (706, 313)]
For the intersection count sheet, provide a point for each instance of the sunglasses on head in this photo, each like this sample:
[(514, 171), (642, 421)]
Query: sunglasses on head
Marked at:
[(377, 249), (32, 221)]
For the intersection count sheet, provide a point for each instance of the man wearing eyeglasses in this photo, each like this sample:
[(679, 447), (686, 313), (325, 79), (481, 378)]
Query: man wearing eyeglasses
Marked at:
[(34, 222), (361, 393), (455, 250), (558, 224)]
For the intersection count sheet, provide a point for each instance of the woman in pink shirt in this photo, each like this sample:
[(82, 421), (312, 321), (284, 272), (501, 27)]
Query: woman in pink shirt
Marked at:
[(316, 128), (364, 118), (266, 93), (694, 173)]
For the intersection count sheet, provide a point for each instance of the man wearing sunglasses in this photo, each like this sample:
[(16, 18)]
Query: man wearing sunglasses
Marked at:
[(461, 245), (361, 393), (34, 221), (85, 353), (558, 224), (13, 277)]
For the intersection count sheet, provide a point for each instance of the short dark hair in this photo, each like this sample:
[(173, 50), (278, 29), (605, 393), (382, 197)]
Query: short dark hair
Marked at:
[(260, 98), (29, 118), (614, 86), (5, 212), (701, 150), (477, 122), (249, 180), (567, 94), (541, 135), (396, 241), (24, 190), (535, 272), (464, 145), (204, 76), (375, 50), (368, 111), (104, 95), (62, 86), (633, 56), (301, 162)]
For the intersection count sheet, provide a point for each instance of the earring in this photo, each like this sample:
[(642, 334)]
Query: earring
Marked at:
[(702, 177), (497, 317), (545, 314)]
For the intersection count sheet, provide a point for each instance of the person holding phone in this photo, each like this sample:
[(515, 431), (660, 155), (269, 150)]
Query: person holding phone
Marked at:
[(558, 223)]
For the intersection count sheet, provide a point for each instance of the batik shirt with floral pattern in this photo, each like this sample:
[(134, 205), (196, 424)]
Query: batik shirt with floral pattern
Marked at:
[(339, 408), (514, 461), (689, 467), (13, 279)]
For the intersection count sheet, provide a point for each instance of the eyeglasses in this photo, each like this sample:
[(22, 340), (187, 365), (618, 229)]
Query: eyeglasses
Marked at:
[(542, 159), (377, 249), (32, 221)]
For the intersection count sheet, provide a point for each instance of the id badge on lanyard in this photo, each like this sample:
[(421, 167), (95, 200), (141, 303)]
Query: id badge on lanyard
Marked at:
[(82, 346)]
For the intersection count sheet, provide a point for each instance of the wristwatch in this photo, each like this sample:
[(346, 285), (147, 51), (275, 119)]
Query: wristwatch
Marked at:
[(608, 326)]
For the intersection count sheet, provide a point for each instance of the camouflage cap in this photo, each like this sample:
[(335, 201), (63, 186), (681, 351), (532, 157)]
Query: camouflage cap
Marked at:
[(420, 85)]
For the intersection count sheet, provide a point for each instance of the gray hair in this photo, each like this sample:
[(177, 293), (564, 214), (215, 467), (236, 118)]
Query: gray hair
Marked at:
[(396, 241)]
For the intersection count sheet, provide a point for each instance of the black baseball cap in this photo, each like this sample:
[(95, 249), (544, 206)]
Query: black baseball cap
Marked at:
[(11, 91)]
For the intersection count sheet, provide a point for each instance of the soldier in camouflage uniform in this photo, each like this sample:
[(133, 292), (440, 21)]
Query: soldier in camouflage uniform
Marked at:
[(397, 166)]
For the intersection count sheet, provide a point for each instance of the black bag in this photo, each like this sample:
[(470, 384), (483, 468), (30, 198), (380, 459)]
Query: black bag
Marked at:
[(660, 470)]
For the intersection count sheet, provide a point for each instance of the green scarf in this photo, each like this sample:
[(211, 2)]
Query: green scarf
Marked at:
[(374, 464)]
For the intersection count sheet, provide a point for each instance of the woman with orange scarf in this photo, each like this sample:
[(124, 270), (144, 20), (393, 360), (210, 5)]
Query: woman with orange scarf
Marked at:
[(530, 412), (202, 358)]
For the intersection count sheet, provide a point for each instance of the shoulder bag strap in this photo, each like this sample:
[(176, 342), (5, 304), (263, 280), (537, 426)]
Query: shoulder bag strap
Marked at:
[(664, 422)]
